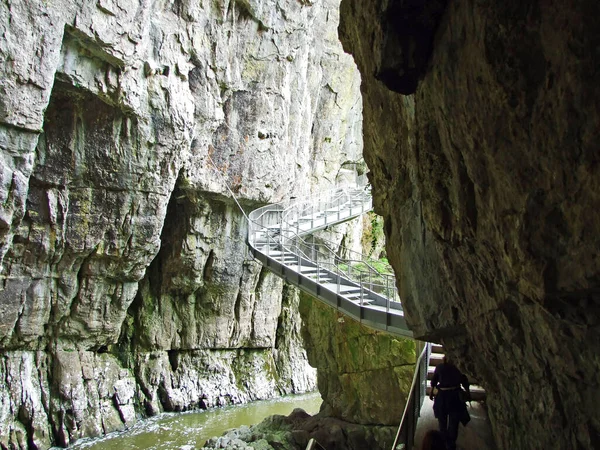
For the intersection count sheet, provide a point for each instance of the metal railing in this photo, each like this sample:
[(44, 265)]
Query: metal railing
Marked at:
[(300, 216), (339, 277), (326, 262), (349, 264), (276, 231), (282, 239), (405, 437), (314, 445), (325, 209), (281, 225)]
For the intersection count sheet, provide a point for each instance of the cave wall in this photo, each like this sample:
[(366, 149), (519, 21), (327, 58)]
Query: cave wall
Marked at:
[(486, 173), (125, 286)]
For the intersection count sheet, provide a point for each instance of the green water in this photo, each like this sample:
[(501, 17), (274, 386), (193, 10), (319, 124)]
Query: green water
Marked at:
[(188, 431)]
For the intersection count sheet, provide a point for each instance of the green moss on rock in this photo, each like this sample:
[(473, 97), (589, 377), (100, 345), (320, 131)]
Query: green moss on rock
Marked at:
[(363, 375)]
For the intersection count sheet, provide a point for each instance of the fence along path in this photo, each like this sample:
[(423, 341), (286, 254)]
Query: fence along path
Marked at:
[(279, 237)]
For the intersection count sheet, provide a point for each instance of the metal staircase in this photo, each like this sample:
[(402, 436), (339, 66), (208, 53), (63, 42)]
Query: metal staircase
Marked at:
[(279, 237), (342, 279)]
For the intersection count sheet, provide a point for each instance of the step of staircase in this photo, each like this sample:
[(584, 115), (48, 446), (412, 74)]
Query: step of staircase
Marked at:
[(274, 240), (350, 290), (324, 280), (365, 301), (430, 371), (437, 348), (436, 359)]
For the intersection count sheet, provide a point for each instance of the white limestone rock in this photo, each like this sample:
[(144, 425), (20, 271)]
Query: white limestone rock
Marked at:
[(118, 236)]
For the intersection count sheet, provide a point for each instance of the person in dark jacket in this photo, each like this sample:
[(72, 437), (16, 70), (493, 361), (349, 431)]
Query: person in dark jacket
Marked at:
[(449, 406)]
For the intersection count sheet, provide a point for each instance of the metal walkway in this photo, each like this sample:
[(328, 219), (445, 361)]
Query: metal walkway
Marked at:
[(279, 237)]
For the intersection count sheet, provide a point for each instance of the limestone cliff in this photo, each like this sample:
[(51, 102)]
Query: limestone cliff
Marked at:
[(363, 376), (125, 286), (481, 132)]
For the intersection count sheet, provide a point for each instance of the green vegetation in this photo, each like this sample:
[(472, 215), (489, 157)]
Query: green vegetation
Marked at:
[(363, 271), (373, 237), (355, 362), (380, 266)]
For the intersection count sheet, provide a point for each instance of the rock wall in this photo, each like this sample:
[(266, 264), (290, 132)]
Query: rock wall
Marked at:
[(486, 172), (125, 286), (363, 375)]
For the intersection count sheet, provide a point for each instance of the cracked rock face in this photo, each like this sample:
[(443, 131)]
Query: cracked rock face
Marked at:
[(125, 286), (488, 181), (363, 375)]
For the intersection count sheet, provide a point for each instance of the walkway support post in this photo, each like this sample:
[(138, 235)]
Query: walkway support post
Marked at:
[(387, 293), (362, 291)]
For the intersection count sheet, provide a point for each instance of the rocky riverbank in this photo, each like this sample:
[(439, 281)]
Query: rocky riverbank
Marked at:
[(294, 431)]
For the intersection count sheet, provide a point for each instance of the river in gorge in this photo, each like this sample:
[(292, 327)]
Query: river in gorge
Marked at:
[(189, 430)]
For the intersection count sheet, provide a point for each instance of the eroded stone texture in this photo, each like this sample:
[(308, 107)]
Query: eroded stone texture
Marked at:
[(363, 375), (125, 285), (488, 181), (290, 358), (293, 432)]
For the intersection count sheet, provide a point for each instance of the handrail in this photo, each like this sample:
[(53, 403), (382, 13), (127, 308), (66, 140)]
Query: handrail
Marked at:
[(272, 216), (292, 246), (346, 250), (335, 199), (338, 261), (356, 289), (287, 233), (334, 194), (290, 206), (415, 400), (313, 444), (331, 254), (266, 211), (290, 203), (283, 246)]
